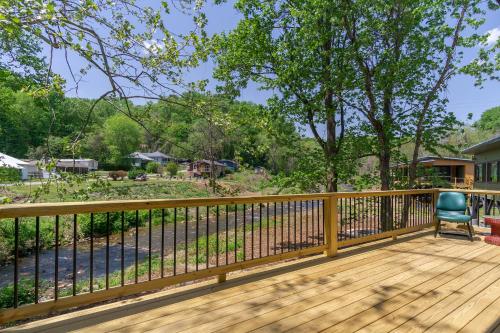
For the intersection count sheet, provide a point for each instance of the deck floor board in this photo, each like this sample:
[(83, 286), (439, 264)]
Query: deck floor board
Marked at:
[(415, 284)]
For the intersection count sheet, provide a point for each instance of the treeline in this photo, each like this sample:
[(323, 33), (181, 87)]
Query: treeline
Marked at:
[(187, 127)]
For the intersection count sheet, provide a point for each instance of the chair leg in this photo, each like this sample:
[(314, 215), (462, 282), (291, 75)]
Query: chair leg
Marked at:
[(438, 227), (471, 236)]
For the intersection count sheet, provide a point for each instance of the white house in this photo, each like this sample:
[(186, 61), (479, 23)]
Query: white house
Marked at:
[(26, 169), (78, 165)]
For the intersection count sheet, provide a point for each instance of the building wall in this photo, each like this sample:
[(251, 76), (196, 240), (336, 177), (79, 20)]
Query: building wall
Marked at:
[(487, 156)]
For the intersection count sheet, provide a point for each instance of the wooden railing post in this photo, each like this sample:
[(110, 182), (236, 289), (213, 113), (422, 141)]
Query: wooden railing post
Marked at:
[(331, 225)]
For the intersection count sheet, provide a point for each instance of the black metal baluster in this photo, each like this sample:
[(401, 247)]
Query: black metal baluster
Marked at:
[(207, 236), (91, 254), (350, 218), (107, 250), (301, 211), (197, 235), (312, 222), (244, 231), (274, 227), (136, 246), (260, 230), (217, 238), (56, 260), (323, 218), (186, 240), (267, 227), (288, 224), (162, 259), (295, 225), (175, 241), (16, 262), (75, 229), (150, 243), (236, 233), (122, 261), (319, 224), (227, 234), (37, 258), (252, 231), (282, 243), (307, 223)]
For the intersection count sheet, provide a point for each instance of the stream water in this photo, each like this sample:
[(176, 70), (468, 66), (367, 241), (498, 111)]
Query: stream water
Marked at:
[(65, 257)]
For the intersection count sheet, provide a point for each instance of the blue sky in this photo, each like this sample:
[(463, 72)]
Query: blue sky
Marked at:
[(464, 97)]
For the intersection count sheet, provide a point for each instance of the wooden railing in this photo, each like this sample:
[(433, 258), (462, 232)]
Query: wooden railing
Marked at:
[(64, 255), (481, 203)]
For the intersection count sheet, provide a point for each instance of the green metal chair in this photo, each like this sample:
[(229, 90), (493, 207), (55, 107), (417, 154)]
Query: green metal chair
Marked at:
[(451, 207)]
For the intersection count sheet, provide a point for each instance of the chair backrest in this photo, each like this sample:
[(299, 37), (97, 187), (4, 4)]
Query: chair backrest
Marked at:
[(451, 201)]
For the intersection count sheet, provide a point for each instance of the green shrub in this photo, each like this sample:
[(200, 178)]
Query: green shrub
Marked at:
[(133, 173), (9, 174), (154, 167), (26, 293), (172, 168), (115, 221), (27, 233)]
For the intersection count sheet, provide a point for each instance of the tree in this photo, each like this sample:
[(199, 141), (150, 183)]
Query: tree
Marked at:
[(404, 53), (128, 43), (123, 136), (489, 120), (172, 168), (296, 49)]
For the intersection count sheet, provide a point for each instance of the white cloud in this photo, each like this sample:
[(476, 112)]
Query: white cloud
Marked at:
[(494, 34), (153, 45)]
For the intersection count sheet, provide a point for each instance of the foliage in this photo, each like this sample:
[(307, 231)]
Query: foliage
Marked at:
[(172, 168), (9, 174), (122, 136), (489, 120), (154, 167), (27, 230), (133, 173)]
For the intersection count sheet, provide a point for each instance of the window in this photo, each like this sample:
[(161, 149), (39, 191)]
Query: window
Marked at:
[(488, 172), (478, 172), (495, 170)]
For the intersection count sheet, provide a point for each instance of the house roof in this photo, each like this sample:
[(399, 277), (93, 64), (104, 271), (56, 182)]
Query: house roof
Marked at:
[(11, 162), (157, 154), (209, 162), (140, 156), (493, 143), (424, 159), (433, 158)]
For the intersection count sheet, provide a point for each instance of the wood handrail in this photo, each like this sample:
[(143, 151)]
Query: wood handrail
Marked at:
[(66, 208), (470, 191)]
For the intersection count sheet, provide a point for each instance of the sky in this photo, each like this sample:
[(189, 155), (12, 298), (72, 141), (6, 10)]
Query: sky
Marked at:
[(464, 97)]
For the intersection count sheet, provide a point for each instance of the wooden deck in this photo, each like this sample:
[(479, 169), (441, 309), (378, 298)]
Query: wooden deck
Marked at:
[(415, 284)]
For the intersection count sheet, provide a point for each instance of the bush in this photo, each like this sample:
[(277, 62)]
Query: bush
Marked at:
[(115, 221), (154, 167), (172, 168), (9, 174), (115, 175), (132, 174), (27, 230), (26, 293)]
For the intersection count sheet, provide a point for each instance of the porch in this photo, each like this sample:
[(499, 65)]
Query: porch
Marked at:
[(416, 283)]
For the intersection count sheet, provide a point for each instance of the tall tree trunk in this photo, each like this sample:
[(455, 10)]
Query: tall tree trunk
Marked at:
[(386, 214)]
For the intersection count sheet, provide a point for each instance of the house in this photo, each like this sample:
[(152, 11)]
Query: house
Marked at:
[(141, 159), (458, 172), (230, 164), (79, 165), (203, 168), (487, 164), (26, 170)]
